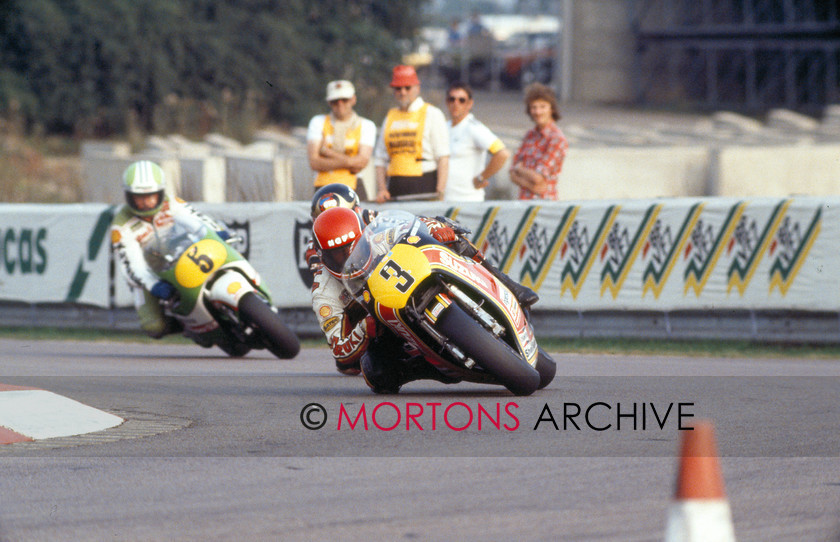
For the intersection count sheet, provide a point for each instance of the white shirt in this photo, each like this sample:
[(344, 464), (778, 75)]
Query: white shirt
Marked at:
[(435, 138), (469, 142), (315, 131)]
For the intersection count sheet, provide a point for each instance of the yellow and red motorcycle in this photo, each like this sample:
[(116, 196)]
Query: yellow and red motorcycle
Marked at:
[(461, 318)]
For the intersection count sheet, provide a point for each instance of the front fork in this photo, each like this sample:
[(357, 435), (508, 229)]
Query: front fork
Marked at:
[(427, 318), (228, 289), (225, 293)]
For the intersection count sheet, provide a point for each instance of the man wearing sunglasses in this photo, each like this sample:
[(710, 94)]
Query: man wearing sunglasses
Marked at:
[(412, 151), (340, 144), (469, 142)]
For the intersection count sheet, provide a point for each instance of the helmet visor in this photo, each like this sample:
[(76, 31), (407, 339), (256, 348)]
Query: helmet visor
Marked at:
[(144, 204), (334, 258)]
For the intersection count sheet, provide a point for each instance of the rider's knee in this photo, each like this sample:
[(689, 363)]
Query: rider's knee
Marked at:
[(379, 374), (157, 327), (154, 328)]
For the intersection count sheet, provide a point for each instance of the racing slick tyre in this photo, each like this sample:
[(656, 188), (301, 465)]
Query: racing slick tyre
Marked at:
[(491, 353), (546, 367), (278, 338)]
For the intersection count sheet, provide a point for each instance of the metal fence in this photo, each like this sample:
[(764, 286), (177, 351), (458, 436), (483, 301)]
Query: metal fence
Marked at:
[(749, 55)]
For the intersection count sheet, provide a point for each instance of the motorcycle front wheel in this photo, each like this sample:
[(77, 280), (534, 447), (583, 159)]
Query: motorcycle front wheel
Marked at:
[(488, 351), (279, 339), (547, 368)]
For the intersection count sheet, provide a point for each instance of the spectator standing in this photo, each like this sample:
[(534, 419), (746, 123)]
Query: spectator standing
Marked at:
[(537, 164), (453, 35), (469, 142), (340, 144), (412, 150), (476, 28)]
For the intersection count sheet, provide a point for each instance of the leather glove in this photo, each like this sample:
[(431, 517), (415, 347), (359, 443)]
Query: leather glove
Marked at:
[(439, 231), (371, 327), (457, 226), (312, 258), (444, 234), (163, 290), (224, 235)]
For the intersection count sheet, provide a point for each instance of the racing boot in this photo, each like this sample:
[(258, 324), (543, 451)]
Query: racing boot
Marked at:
[(168, 326), (523, 294)]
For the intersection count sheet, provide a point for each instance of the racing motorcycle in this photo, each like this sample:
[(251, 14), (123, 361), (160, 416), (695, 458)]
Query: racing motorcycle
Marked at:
[(462, 319), (220, 298)]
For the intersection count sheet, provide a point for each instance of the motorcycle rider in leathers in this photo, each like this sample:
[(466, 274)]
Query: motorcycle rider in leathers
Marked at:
[(358, 343), (149, 207)]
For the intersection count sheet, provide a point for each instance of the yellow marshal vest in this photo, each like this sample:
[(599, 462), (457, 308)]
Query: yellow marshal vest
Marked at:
[(351, 148), (404, 141)]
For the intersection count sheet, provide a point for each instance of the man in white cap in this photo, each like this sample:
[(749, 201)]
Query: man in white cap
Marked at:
[(339, 144)]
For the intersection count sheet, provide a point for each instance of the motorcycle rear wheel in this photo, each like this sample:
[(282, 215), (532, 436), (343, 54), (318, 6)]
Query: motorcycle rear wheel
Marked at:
[(279, 339), (488, 351)]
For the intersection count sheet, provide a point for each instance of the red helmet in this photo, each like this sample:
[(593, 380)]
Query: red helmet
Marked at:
[(336, 232)]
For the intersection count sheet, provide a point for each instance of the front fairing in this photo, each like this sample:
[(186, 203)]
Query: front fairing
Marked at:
[(188, 254), (378, 241), (170, 241)]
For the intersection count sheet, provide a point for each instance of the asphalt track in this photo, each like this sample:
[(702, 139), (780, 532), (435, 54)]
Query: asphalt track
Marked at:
[(214, 449)]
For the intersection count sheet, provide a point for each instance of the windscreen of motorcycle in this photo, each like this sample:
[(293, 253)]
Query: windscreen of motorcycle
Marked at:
[(378, 238), (170, 241)]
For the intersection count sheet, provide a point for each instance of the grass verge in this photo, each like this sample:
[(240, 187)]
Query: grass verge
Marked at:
[(725, 349), (706, 348)]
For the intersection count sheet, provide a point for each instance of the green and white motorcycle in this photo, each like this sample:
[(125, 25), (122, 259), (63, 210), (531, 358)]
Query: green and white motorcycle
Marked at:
[(221, 299)]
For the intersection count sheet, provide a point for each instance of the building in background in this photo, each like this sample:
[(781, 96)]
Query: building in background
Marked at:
[(727, 54)]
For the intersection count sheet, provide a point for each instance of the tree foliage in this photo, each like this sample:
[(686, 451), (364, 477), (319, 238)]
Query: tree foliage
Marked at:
[(100, 66)]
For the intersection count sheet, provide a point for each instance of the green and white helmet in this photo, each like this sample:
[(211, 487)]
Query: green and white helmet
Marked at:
[(142, 178)]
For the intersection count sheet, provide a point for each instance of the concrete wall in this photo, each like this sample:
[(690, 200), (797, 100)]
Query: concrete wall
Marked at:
[(628, 172), (216, 170), (730, 171), (779, 170), (602, 46)]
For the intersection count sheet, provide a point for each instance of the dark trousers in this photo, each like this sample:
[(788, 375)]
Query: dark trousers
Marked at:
[(400, 186)]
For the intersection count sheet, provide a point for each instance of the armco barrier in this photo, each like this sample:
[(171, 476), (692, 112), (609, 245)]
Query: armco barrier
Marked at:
[(791, 327), (764, 268)]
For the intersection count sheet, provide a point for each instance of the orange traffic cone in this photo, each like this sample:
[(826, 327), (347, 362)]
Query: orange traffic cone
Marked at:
[(700, 512)]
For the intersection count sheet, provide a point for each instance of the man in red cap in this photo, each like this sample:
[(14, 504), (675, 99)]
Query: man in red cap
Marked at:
[(412, 150)]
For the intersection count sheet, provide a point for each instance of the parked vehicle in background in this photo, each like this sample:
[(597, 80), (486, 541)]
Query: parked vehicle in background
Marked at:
[(471, 61), (527, 58)]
